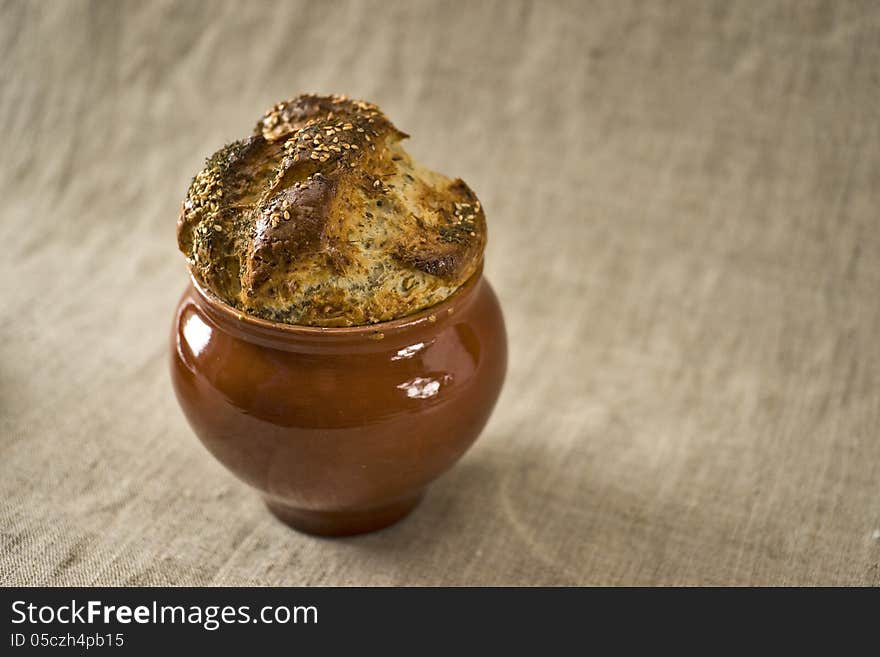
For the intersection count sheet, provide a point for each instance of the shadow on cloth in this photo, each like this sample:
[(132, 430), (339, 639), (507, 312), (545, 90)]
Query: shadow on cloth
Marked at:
[(539, 516), (498, 517)]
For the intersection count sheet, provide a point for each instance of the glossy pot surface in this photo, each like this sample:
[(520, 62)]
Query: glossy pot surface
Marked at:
[(340, 429)]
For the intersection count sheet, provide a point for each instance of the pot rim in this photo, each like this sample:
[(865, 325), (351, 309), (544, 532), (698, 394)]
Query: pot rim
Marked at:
[(431, 314)]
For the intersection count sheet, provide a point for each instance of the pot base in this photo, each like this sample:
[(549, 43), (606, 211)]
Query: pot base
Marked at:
[(344, 523)]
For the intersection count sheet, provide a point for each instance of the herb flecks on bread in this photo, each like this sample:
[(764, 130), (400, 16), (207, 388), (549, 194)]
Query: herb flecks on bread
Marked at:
[(321, 218)]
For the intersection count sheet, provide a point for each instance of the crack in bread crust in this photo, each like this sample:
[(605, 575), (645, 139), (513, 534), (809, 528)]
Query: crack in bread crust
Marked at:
[(321, 218)]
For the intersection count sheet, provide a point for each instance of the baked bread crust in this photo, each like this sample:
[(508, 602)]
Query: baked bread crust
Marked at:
[(320, 218)]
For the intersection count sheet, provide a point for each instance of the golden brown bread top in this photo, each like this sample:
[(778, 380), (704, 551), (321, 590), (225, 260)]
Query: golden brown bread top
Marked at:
[(321, 218)]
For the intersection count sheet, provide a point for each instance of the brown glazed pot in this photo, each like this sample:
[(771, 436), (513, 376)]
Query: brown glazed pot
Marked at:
[(340, 429)]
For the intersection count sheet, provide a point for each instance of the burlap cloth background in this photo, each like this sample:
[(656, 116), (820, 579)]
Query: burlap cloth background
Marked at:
[(684, 203)]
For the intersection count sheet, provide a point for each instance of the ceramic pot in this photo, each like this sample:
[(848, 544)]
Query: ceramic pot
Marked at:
[(339, 429)]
